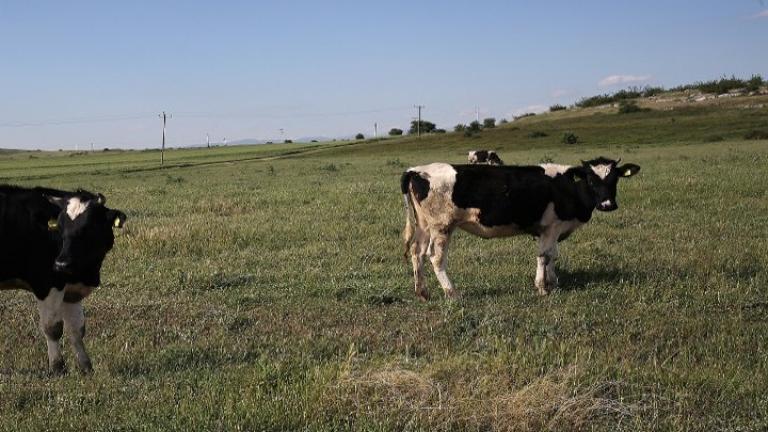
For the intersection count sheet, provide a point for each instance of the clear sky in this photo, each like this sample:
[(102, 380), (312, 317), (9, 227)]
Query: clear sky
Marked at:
[(79, 72)]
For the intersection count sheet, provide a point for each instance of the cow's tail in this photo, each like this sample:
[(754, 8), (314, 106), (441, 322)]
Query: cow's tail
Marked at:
[(410, 211)]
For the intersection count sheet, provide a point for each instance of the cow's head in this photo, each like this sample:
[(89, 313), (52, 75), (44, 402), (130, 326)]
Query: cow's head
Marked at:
[(601, 176), (84, 225)]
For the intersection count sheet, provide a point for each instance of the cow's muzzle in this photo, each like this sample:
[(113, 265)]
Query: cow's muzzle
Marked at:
[(607, 205), (62, 266)]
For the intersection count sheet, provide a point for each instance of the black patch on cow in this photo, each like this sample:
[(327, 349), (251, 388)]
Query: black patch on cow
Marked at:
[(418, 184), (519, 195), (55, 330), (72, 297), (495, 159), (481, 155)]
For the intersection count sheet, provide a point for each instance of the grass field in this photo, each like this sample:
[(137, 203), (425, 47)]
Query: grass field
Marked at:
[(264, 288)]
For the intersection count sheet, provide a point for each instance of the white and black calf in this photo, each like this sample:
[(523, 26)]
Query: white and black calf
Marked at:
[(486, 157), (53, 243), (547, 201)]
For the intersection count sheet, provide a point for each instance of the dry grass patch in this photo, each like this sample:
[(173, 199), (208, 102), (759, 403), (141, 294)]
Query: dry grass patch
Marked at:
[(430, 399)]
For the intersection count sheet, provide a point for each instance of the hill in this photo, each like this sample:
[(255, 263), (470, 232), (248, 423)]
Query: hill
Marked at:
[(264, 288)]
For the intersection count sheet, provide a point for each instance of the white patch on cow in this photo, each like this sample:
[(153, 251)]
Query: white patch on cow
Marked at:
[(472, 156), (76, 207), (555, 226), (552, 170), (441, 176), (602, 170)]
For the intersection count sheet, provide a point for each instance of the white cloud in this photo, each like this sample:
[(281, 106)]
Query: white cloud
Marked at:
[(613, 80), (763, 14)]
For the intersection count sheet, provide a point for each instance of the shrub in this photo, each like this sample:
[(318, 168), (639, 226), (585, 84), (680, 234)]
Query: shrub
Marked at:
[(474, 126), (755, 82), (395, 132), (537, 134), (423, 127), (459, 128), (359, 136), (713, 138), (628, 107), (288, 141), (503, 121), (556, 107), (570, 138), (756, 135), (524, 115), (489, 123), (439, 131)]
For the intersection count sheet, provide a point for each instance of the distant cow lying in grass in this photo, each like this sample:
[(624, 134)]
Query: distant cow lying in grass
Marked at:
[(487, 157), (53, 244), (548, 201)]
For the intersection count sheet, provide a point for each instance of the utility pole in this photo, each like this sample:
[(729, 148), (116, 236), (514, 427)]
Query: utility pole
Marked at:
[(208, 140), (418, 125), (477, 114), (165, 118), (91, 147), (375, 130)]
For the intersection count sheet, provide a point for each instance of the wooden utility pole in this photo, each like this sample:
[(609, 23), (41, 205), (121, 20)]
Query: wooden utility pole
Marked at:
[(418, 125), (165, 117)]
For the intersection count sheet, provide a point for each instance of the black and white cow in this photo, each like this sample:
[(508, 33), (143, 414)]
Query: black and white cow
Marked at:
[(53, 243), (487, 157), (548, 201)]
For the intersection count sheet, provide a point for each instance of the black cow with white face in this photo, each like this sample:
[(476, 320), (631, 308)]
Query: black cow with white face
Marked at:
[(53, 243), (547, 201)]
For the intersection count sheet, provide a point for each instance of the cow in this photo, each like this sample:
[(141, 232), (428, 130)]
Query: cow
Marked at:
[(488, 157), (53, 243), (546, 201)]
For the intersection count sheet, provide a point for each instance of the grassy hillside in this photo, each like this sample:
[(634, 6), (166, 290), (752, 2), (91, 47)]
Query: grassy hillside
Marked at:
[(264, 288)]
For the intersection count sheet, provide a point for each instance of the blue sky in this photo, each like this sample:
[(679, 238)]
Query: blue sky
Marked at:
[(79, 72)]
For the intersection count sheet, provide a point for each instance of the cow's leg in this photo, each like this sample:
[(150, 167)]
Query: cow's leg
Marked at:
[(53, 327), (74, 322), (545, 263), (439, 242), (551, 275), (418, 249)]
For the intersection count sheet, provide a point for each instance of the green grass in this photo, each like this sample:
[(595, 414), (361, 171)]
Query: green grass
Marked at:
[(258, 289)]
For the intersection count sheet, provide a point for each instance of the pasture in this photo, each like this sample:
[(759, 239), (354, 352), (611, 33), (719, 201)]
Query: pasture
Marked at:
[(264, 288)]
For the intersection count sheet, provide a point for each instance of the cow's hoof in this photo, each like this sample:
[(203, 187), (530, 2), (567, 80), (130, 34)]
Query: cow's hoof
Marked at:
[(86, 368), (423, 296), (453, 296), (543, 291), (58, 368)]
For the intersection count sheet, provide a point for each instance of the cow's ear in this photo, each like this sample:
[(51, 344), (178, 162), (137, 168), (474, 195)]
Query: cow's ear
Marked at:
[(576, 173), (59, 201), (116, 218), (628, 170), (101, 199)]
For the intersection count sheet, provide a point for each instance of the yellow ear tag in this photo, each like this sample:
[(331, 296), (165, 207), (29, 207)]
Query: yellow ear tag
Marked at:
[(627, 173), (53, 225), (576, 179), (117, 222)]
